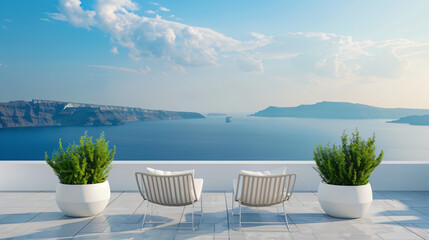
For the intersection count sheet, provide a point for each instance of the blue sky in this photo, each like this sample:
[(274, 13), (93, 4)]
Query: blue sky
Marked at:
[(215, 56)]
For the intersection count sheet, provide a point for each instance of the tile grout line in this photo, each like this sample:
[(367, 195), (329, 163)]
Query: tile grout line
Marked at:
[(138, 207), (227, 214), (411, 231), (415, 232), (31, 217), (180, 221), (115, 198), (380, 236), (389, 198), (97, 215), (39, 212), (296, 207)]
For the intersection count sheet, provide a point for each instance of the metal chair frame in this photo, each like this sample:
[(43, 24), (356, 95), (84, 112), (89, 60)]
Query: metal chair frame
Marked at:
[(283, 183), (161, 189)]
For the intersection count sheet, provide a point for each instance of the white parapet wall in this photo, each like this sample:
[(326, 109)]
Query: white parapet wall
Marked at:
[(218, 175)]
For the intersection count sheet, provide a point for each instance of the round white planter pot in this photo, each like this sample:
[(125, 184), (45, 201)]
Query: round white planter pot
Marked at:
[(82, 200), (345, 201)]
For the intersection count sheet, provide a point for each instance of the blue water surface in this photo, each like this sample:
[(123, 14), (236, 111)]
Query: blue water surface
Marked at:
[(245, 138)]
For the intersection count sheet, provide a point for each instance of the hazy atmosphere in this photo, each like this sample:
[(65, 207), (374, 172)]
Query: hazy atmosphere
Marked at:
[(289, 119), (215, 56)]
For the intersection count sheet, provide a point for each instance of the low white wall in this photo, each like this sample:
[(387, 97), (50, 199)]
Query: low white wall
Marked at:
[(218, 175)]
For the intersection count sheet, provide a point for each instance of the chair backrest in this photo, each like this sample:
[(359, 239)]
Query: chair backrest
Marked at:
[(168, 190), (264, 190)]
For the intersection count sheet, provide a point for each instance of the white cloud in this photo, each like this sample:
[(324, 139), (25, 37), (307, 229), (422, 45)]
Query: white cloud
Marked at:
[(154, 3), (114, 50), (178, 68), (258, 35), (248, 64), (144, 70), (275, 56), (149, 12), (57, 16), (1, 64), (154, 37), (45, 19), (331, 56), (164, 9), (298, 55), (72, 12)]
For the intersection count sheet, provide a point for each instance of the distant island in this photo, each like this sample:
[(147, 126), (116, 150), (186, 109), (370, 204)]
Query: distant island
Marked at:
[(43, 113), (216, 115), (422, 120), (340, 110)]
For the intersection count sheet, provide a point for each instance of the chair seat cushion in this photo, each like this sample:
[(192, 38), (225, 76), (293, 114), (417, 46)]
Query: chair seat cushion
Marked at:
[(198, 187), (168, 173), (277, 171)]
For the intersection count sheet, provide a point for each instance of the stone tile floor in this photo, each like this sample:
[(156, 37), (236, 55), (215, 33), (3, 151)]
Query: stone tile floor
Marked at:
[(34, 215)]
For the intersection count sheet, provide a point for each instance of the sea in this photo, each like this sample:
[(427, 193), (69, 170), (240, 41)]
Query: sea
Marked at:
[(244, 138)]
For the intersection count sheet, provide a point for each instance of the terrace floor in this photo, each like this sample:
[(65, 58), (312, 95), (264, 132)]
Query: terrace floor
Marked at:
[(34, 215)]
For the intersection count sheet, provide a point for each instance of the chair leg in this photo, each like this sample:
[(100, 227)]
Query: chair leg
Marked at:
[(193, 228), (285, 215), (145, 213), (232, 206), (201, 204), (232, 210), (239, 217), (201, 215)]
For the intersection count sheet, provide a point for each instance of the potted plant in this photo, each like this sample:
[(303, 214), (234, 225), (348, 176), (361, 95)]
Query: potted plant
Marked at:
[(345, 191), (82, 170)]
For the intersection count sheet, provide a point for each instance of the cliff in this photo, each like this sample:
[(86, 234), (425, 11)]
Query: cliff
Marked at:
[(41, 113), (422, 120), (339, 110)]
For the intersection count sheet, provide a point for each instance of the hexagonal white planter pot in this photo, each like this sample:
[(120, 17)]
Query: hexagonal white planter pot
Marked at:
[(82, 200), (345, 201)]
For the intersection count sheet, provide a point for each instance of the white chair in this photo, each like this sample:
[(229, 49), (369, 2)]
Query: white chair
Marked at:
[(170, 189), (262, 191)]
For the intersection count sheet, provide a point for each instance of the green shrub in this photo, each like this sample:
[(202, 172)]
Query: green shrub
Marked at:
[(87, 163), (349, 164)]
